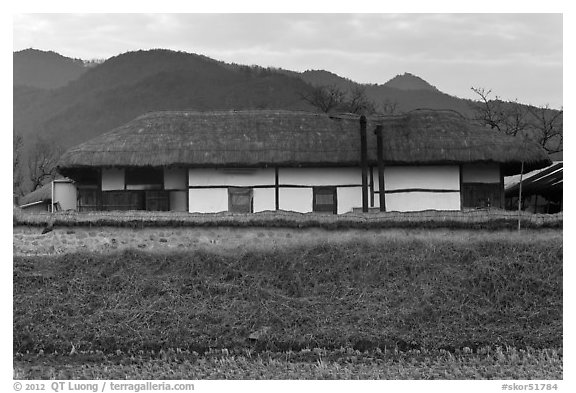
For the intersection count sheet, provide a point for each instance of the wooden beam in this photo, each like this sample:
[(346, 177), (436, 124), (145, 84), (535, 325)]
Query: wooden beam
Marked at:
[(364, 163), (371, 186), (461, 188), (502, 195), (276, 188), (380, 157), (187, 190), (405, 190), (100, 196)]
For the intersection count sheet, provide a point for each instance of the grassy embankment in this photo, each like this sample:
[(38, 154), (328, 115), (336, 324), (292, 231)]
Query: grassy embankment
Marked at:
[(492, 219), (443, 308)]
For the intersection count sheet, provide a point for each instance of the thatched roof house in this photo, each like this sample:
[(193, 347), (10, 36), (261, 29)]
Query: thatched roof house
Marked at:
[(198, 141), (270, 138)]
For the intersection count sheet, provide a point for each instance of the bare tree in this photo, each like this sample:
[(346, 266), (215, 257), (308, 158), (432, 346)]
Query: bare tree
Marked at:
[(42, 160), (507, 117), (487, 111), (548, 124), (331, 98), (515, 119), (324, 98), (358, 102), (390, 107), (17, 145), (541, 124)]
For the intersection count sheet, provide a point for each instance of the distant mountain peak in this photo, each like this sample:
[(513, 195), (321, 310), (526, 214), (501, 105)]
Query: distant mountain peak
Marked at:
[(45, 69), (409, 81)]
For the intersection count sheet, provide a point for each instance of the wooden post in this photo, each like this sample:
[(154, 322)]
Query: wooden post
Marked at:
[(371, 186), (461, 180), (520, 195), (99, 191), (520, 185), (364, 163), (380, 148), (276, 189), (502, 194), (52, 197)]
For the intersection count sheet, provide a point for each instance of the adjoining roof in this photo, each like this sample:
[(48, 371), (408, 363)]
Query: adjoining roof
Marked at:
[(268, 138), (42, 194), (548, 182), (27, 205)]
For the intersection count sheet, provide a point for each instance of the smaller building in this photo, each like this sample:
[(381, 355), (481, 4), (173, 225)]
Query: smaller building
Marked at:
[(542, 190), (57, 195)]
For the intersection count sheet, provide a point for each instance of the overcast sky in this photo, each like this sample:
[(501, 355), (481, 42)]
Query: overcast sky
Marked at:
[(518, 56)]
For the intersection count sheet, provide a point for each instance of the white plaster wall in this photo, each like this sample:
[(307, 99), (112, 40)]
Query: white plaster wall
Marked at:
[(376, 199), (296, 199), (319, 176), (237, 178), (481, 173), (349, 197), (446, 177), (208, 200), (418, 201), (65, 194), (175, 178), (264, 199), (112, 179), (178, 202)]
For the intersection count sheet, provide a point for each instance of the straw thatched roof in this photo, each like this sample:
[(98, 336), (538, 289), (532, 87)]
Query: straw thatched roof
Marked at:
[(42, 194), (284, 138)]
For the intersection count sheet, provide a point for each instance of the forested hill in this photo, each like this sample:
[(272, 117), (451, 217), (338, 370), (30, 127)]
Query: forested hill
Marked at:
[(407, 91), (45, 70), (83, 102), (134, 83)]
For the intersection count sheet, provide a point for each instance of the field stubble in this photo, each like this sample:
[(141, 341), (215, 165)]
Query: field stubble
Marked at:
[(437, 307)]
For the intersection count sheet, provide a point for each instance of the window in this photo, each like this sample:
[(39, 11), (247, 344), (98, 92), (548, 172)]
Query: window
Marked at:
[(135, 200), (240, 200), (144, 178), (87, 177), (324, 200)]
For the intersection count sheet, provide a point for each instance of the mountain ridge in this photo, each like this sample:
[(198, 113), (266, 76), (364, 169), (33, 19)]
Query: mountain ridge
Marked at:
[(113, 92), (45, 69)]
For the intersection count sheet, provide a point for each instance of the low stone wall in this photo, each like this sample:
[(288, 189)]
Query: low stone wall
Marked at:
[(30, 240)]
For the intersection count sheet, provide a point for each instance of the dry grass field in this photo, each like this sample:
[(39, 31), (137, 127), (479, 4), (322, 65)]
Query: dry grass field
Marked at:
[(435, 304)]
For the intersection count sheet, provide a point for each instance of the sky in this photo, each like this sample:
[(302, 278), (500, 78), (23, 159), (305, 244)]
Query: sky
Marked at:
[(516, 56)]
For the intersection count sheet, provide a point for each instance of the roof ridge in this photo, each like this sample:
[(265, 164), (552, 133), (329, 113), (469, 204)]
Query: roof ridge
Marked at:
[(229, 112)]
